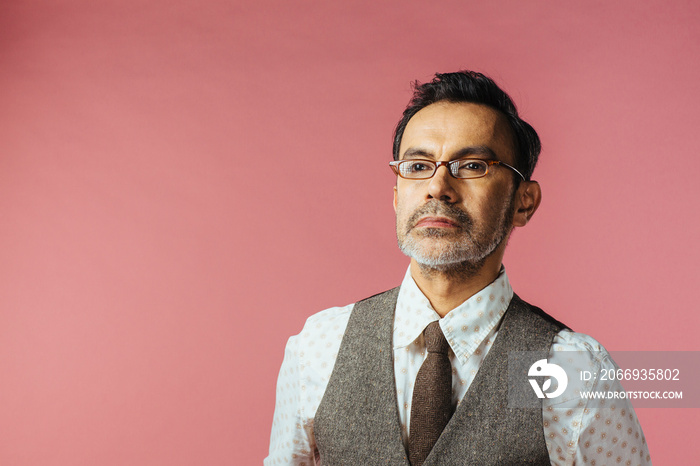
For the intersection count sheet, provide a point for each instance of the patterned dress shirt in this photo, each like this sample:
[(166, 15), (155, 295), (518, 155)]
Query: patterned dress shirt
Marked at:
[(591, 432)]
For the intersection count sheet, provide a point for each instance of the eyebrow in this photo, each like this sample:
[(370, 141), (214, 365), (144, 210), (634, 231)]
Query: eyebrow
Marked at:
[(480, 150)]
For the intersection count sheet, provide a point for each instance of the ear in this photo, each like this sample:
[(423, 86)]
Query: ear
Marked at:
[(395, 200), (527, 200)]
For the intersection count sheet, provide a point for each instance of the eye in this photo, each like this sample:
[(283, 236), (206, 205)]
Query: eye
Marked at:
[(416, 168), (471, 168), (471, 165)]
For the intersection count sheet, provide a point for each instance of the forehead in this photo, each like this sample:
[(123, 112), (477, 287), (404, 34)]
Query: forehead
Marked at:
[(445, 128)]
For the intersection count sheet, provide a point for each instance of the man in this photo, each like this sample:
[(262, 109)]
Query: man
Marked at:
[(419, 375)]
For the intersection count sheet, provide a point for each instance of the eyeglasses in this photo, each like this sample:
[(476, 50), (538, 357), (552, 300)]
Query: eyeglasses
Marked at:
[(463, 169)]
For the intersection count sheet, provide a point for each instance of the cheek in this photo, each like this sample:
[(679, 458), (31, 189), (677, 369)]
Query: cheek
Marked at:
[(400, 209), (485, 206), (402, 196), (403, 207)]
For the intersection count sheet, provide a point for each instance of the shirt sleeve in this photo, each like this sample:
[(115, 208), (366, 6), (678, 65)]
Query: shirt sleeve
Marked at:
[(292, 440), (610, 430), (590, 431)]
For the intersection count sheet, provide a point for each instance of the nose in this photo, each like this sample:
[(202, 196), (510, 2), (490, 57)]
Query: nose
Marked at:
[(441, 186)]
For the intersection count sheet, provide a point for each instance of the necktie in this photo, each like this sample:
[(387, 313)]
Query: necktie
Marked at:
[(431, 407)]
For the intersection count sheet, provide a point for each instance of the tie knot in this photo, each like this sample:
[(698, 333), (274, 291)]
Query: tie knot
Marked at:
[(435, 341)]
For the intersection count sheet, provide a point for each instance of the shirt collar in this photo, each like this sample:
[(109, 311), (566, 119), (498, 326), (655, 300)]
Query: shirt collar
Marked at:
[(465, 327)]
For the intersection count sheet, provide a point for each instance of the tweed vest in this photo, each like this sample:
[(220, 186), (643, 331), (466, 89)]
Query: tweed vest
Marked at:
[(357, 422)]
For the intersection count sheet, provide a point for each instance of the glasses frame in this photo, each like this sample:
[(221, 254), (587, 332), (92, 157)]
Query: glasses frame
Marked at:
[(449, 164)]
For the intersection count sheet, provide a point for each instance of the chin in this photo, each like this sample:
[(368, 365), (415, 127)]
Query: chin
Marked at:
[(437, 257), (446, 254)]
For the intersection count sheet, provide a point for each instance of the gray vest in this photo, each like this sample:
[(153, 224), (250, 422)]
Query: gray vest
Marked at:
[(357, 422)]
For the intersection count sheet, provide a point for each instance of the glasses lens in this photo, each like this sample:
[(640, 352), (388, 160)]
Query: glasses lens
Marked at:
[(416, 169), (470, 169)]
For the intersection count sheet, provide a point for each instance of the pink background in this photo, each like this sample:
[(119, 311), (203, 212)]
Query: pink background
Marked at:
[(171, 208)]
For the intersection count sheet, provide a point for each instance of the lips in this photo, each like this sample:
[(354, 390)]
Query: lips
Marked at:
[(437, 222), (437, 217)]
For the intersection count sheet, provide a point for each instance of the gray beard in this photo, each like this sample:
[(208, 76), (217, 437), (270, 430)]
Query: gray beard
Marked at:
[(464, 256)]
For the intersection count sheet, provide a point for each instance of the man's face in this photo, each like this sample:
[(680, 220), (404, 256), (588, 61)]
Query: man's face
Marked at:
[(443, 222)]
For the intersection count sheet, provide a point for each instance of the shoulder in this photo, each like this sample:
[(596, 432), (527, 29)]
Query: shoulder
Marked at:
[(518, 303), (569, 341), (578, 341), (334, 320), (320, 337), (322, 334), (583, 359), (585, 350), (328, 320)]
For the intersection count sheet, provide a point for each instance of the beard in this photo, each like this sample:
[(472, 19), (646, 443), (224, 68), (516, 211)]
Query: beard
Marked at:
[(446, 250)]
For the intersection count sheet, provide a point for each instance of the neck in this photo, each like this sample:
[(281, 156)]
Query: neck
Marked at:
[(447, 289)]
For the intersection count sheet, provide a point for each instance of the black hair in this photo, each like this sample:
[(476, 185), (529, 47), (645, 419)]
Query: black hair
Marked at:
[(470, 86)]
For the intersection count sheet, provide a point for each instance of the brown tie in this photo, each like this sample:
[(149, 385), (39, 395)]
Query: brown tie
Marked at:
[(431, 407)]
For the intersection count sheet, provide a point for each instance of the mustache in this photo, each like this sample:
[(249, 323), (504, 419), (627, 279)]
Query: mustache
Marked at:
[(438, 208)]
